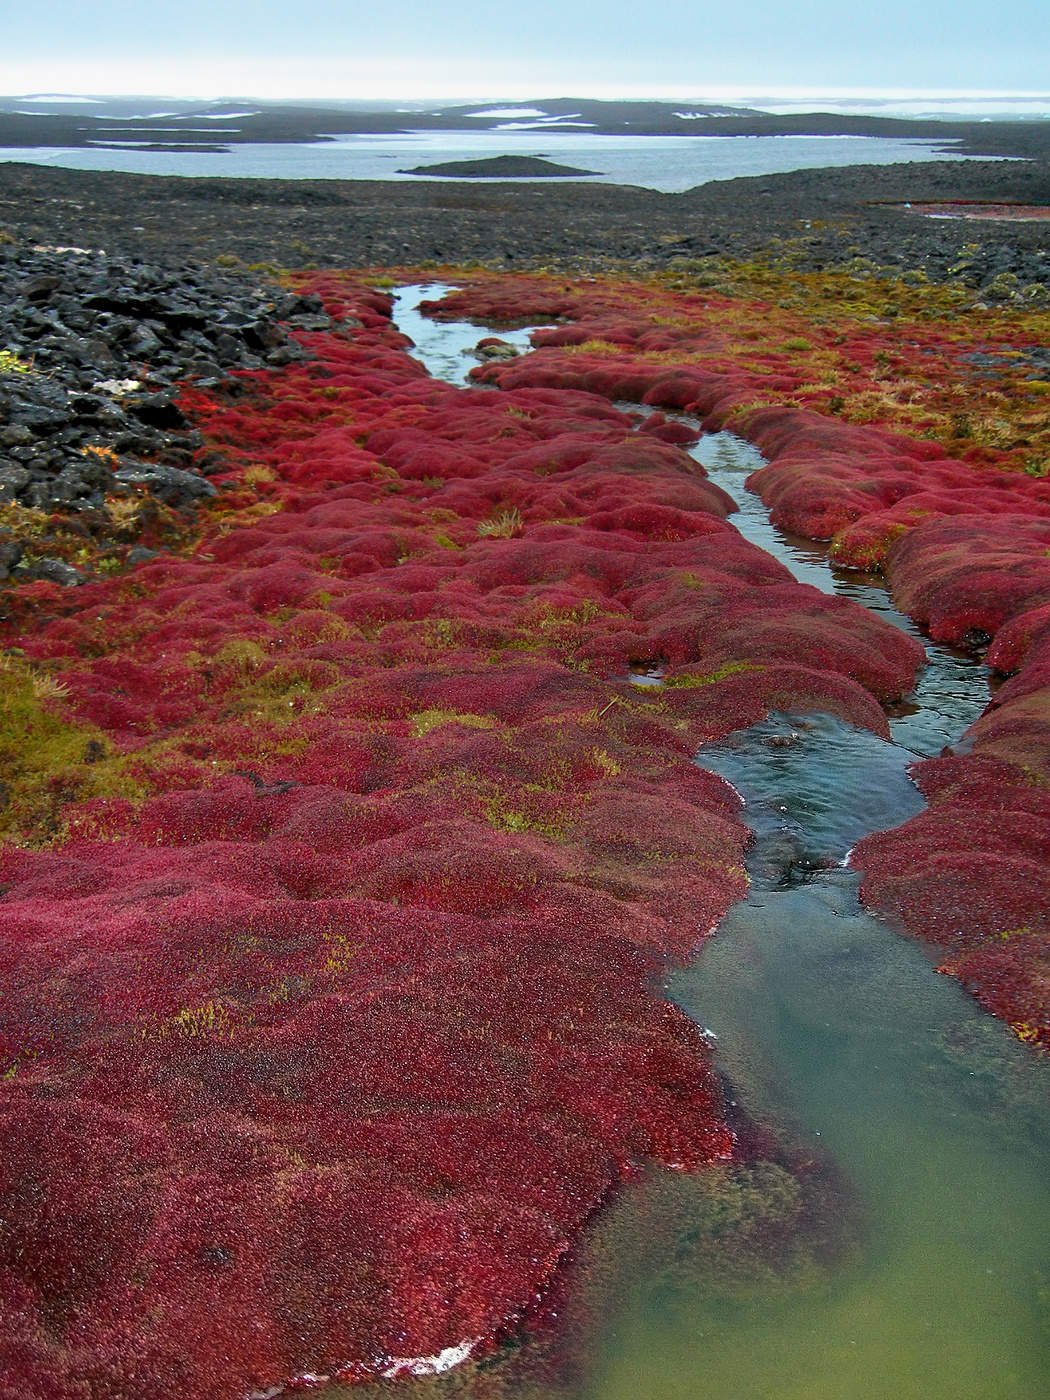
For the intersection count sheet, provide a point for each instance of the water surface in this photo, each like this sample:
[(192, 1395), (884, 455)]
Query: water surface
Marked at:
[(667, 163), (830, 1025), (445, 347)]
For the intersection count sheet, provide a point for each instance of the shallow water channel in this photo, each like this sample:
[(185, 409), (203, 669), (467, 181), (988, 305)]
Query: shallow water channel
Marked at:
[(838, 1034)]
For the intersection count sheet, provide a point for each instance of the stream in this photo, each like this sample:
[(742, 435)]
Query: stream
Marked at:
[(837, 1033)]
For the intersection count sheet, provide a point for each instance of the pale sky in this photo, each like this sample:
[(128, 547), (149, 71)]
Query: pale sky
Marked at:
[(541, 48)]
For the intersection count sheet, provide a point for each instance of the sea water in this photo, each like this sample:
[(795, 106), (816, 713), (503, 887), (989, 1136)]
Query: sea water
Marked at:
[(667, 163)]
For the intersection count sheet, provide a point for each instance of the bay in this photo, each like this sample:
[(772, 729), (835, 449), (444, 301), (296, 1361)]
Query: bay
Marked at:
[(669, 164)]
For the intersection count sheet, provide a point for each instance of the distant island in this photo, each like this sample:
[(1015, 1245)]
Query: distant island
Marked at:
[(501, 168)]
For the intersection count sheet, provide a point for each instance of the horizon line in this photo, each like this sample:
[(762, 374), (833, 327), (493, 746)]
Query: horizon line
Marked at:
[(716, 94)]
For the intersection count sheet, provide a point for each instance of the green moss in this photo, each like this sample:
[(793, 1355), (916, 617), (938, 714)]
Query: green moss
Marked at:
[(440, 633), (25, 523), (524, 810), (426, 720), (595, 347), (554, 621), (212, 1019), (606, 763), (10, 363), (47, 760), (305, 673), (1023, 932), (25, 1056), (695, 679), (237, 657), (690, 580), (285, 692), (505, 818)]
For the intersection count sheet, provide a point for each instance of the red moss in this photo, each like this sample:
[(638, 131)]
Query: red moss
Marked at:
[(973, 874), (968, 575)]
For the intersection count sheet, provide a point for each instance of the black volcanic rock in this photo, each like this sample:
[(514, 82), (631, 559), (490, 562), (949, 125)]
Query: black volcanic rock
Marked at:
[(501, 168), (92, 347)]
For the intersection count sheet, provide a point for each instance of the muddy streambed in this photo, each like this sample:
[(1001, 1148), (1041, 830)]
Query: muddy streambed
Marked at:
[(837, 1038)]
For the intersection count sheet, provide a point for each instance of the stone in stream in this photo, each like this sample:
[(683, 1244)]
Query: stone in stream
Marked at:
[(492, 348)]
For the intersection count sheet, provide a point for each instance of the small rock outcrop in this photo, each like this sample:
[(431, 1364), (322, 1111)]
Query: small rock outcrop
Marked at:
[(502, 168)]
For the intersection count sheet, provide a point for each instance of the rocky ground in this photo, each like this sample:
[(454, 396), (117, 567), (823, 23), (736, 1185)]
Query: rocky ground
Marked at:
[(90, 431), (330, 223)]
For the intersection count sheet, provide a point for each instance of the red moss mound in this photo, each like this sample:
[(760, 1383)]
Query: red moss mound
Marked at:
[(964, 576), (1025, 637), (865, 487), (866, 544), (973, 875)]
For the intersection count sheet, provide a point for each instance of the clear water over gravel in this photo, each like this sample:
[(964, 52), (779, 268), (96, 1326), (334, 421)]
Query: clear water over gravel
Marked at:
[(444, 347)]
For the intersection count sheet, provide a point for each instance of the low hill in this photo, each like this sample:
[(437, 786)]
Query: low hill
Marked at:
[(501, 168)]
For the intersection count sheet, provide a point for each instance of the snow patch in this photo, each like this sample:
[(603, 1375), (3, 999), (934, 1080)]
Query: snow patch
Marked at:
[(54, 98), (116, 387), (429, 1365), (66, 248), (509, 112), (548, 124)]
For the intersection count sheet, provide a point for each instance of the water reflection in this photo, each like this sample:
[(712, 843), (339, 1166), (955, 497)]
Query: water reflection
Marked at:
[(445, 347)]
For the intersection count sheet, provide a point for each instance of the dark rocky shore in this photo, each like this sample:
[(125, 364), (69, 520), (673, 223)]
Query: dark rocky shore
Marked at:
[(90, 349), (329, 223)]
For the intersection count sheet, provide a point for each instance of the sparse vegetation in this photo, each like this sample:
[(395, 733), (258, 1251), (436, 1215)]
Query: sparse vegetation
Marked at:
[(504, 525)]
